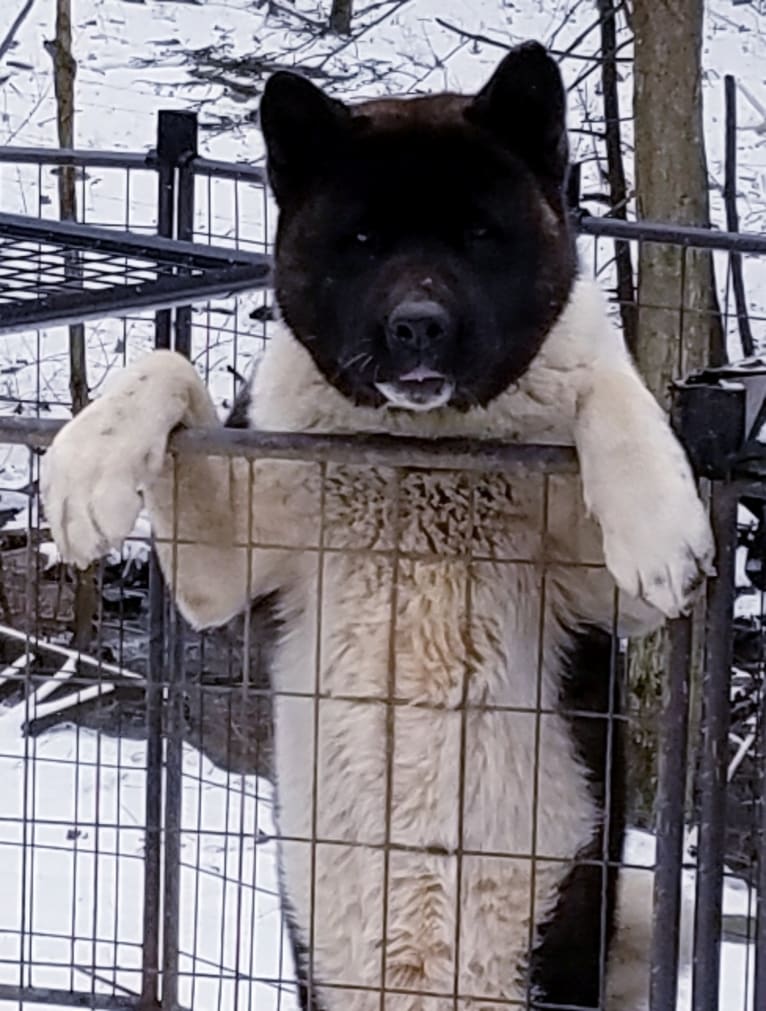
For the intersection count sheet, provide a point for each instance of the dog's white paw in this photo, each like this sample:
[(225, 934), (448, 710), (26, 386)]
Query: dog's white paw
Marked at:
[(91, 477), (658, 544)]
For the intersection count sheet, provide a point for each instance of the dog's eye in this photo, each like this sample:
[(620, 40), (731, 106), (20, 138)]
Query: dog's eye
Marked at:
[(366, 241), (361, 240)]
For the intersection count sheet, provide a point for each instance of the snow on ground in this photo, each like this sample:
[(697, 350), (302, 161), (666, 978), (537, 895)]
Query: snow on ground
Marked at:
[(61, 877), (133, 60), (739, 905)]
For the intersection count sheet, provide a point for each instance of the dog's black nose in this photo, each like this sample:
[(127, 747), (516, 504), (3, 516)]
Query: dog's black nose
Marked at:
[(418, 325)]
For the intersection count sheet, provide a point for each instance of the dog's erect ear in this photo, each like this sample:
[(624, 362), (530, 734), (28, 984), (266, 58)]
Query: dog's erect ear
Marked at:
[(303, 128), (524, 105)]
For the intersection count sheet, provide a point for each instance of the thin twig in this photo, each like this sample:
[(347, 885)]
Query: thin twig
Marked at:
[(21, 17), (618, 189), (503, 44)]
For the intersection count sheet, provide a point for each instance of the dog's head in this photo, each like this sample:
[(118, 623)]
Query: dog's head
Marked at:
[(423, 250)]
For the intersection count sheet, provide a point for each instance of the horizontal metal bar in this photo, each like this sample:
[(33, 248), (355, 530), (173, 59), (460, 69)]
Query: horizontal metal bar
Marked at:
[(110, 240), (241, 171), (673, 235), (80, 157), (84, 304), (37, 433), (69, 998), (75, 157), (379, 450)]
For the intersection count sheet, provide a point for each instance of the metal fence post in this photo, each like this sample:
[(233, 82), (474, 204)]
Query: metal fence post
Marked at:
[(759, 997), (185, 222), (716, 683), (671, 792), (176, 145), (176, 149)]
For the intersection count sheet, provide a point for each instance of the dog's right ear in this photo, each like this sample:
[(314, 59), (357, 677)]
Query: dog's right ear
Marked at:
[(304, 130), (524, 106)]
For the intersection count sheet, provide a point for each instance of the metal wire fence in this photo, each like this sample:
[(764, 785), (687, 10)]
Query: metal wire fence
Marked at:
[(138, 837)]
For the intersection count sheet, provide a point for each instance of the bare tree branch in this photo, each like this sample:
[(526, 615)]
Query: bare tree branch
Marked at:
[(64, 73), (615, 169), (7, 42), (340, 16), (503, 44)]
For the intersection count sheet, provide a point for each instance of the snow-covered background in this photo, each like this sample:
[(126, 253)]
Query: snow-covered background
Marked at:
[(72, 801)]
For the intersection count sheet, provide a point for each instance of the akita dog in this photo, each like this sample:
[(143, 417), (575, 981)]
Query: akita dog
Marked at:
[(449, 792)]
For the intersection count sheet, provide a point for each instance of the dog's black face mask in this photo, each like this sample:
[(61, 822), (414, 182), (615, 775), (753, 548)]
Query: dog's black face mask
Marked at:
[(423, 250)]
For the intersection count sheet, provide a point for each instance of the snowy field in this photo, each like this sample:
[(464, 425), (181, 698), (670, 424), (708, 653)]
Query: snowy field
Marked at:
[(71, 895)]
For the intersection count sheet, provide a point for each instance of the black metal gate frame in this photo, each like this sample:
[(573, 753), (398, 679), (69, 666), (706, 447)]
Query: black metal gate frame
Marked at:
[(104, 271), (716, 422), (719, 414)]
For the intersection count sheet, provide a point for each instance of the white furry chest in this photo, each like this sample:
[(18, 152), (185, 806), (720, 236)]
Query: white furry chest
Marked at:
[(423, 745), (420, 626), (419, 629), (430, 678)]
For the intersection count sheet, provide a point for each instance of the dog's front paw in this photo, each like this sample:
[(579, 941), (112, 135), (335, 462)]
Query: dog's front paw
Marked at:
[(658, 544), (93, 475), (90, 480)]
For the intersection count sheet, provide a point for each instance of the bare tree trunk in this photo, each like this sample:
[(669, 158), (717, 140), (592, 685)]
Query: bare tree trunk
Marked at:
[(340, 16), (618, 190), (678, 325), (64, 73)]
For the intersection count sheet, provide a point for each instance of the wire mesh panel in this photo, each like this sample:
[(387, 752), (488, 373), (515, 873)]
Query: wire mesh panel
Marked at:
[(142, 827), (84, 753)]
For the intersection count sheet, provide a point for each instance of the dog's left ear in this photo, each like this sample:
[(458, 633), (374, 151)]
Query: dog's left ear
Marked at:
[(304, 130), (524, 106)]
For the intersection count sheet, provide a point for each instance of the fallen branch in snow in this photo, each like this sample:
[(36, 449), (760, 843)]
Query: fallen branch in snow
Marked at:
[(760, 128), (745, 745)]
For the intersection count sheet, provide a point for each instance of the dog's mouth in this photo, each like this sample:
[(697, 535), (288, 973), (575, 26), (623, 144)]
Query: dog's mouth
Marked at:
[(420, 389)]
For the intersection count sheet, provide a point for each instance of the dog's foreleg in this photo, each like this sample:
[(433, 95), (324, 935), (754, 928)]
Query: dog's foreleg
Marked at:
[(639, 486), (211, 515)]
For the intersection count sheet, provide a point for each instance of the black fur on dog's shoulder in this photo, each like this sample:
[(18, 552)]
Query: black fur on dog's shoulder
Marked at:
[(239, 414), (567, 966)]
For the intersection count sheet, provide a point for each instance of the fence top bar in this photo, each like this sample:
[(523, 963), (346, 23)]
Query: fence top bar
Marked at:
[(676, 235), (243, 171), (378, 450), (75, 156), (127, 159)]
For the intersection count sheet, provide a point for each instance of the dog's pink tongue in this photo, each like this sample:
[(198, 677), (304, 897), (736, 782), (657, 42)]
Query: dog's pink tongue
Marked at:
[(419, 375)]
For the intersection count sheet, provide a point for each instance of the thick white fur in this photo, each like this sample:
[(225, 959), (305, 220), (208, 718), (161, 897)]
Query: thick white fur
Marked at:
[(452, 616)]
